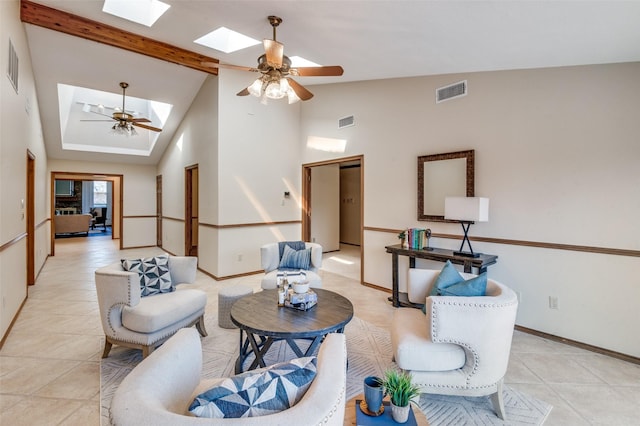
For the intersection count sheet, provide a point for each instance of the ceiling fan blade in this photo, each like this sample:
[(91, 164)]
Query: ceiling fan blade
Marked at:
[(98, 120), (140, 120), (144, 126), (302, 93), (105, 115), (243, 92), (328, 71), (274, 51), (228, 66)]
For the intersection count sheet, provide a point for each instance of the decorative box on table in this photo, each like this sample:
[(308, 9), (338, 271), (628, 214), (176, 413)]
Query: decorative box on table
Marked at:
[(301, 301)]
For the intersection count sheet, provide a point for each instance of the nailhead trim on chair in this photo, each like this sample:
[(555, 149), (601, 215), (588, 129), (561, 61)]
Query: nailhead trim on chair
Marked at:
[(476, 358), (113, 330), (340, 398), (334, 408)]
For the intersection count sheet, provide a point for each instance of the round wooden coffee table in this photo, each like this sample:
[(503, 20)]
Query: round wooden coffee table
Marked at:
[(262, 322)]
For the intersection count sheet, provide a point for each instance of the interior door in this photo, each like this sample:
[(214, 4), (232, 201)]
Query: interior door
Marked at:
[(191, 210), (159, 210), (325, 206), (30, 212)]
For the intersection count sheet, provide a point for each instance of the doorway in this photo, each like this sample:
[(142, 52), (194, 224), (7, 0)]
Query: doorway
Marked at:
[(31, 212), (70, 186), (159, 210), (191, 210), (332, 209)]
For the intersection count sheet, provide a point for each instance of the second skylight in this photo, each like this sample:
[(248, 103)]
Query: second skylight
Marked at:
[(226, 40)]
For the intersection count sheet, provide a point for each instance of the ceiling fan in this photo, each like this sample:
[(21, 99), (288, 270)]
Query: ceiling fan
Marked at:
[(275, 81), (124, 120)]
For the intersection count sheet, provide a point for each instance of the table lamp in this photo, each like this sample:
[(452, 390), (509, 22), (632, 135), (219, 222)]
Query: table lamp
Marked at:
[(466, 210)]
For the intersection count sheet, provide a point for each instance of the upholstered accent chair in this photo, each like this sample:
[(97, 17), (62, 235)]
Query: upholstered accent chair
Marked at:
[(270, 257), (462, 345), (131, 320), (160, 389)]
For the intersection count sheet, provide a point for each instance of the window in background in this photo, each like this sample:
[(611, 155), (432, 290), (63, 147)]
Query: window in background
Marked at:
[(99, 193)]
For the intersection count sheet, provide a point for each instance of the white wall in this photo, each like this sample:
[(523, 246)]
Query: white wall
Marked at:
[(195, 142), (138, 198), (557, 154), (248, 156), (259, 159), (20, 130)]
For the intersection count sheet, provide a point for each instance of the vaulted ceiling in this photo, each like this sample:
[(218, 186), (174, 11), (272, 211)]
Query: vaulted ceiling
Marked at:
[(370, 39)]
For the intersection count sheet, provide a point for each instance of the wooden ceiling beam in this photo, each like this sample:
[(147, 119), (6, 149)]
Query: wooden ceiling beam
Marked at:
[(53, 19)]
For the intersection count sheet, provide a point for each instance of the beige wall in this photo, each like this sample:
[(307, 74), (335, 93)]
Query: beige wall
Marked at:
[(557, 154), (248, 155), (20, 130)]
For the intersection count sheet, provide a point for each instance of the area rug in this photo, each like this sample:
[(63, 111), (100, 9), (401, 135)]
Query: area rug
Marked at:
[(368, 348)]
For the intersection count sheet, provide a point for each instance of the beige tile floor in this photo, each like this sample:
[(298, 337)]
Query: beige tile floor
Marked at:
[(49, 365)]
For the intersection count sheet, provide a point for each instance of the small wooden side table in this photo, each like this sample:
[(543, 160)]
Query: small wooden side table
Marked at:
[(350, 412)]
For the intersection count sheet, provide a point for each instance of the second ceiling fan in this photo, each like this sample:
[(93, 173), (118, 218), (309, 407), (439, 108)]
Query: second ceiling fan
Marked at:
[(275, 81), (124, 120)]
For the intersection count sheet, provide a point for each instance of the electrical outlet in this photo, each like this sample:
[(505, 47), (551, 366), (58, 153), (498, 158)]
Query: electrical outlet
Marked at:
[(519, 295), (553, 302), (239, 258), (313, 240)]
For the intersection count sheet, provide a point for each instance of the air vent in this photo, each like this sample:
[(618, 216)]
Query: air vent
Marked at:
[(452, 91), (12, 66), (346, 122)]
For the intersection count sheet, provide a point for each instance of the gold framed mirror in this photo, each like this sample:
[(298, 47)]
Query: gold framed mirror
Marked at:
[(440, 176)]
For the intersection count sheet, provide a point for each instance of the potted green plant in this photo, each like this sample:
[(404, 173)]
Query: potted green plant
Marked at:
[(402, 235), (401, 390)]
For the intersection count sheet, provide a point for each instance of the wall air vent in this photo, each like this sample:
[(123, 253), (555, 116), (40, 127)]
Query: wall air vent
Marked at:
[(452, 91), (12, 66), (346, 122)]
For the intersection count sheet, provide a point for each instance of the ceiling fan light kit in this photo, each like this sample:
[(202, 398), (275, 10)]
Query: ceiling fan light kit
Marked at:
[(125, 129), (275, 67)]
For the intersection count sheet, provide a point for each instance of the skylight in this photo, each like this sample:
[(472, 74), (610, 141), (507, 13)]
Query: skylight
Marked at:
[(85, 111), (297, 61), (226, 40), (145, 12)]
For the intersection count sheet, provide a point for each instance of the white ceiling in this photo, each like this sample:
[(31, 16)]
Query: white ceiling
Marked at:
[(369, 39)]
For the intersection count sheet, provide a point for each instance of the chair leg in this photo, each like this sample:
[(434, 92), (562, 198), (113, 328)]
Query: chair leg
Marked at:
[(107, 347), (146, 350), (200, 326), (498, 402)]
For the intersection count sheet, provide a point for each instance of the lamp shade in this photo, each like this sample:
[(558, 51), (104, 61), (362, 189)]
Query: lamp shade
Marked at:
[(470, 209)]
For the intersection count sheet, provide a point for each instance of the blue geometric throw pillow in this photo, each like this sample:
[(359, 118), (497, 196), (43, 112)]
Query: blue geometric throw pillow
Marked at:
[(295, 259), (155, 277), (259, 392)]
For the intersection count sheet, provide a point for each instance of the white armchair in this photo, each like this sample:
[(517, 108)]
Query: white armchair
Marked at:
[(462, 345), (146, 322), (270, 259), (160, 389)]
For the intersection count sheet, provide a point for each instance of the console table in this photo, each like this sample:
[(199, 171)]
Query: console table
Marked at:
[(441, 255)]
